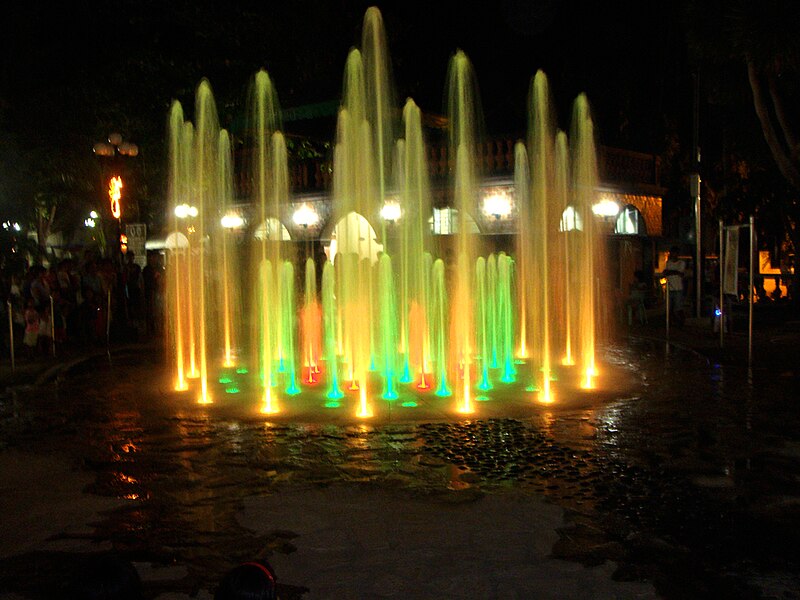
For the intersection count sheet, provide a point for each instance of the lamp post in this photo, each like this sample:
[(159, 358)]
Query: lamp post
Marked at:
[(114, 148)]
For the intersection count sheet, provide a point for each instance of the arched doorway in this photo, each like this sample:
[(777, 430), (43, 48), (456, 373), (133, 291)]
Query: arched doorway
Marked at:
[(354, 234)]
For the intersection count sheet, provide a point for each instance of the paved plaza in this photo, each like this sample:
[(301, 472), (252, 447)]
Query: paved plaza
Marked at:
[(679, 480)]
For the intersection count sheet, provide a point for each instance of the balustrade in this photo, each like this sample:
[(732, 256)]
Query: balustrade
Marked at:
[(495, 158)]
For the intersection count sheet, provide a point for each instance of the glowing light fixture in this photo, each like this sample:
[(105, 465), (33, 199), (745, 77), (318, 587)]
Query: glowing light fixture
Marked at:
[(183, 211), (232, 221), (391, 211), (497, 205), (606, 208), (305, 216)]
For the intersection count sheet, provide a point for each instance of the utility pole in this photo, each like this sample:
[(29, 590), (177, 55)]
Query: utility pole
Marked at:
[(695, 190)]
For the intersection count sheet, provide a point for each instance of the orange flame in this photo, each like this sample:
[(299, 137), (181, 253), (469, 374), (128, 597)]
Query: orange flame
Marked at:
[(114, 195)]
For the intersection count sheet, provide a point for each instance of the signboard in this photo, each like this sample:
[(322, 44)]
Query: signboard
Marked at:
[(137, 236), (730, 268)]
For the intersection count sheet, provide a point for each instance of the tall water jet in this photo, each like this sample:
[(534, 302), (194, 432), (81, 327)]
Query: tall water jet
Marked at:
[(266, 333), (179, 144), (584, 185), (493, 322), (311, 325), (387, 311), (504, 307), (483, 310), (355, 196), (464, 113), (539, 287), (224, 252), (362, 159), (388, 320), (380, 101), (439, 327), (523, 244), (267, 176), (288, 322), (569, 229), (330, 337), (415, 196), (206, 145)]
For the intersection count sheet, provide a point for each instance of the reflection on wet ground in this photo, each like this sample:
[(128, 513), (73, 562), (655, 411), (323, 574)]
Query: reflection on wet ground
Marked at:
[(692, 480)]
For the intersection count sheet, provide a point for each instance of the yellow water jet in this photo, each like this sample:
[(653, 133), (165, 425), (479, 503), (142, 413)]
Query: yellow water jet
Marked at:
[(270, 406), (364, 409)]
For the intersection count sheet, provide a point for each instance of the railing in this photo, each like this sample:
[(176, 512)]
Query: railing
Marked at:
[(495, 159), (626, 166)]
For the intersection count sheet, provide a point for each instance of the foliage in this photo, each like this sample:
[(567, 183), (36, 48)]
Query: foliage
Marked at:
[(750, 67)]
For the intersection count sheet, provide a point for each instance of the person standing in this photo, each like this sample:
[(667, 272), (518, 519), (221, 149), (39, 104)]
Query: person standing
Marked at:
[(31, 338), (151, 279), (675, 271)]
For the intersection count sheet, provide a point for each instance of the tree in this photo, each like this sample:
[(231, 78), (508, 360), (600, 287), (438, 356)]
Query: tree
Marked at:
[(749, 54)]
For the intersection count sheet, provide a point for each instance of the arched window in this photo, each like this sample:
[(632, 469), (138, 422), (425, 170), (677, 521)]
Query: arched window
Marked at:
[(273, 230), (570, 220), (630, 222), (354, 234), (445, 221)]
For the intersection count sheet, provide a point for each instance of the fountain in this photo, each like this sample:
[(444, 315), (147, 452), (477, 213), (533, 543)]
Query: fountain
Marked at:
[(386, 323)]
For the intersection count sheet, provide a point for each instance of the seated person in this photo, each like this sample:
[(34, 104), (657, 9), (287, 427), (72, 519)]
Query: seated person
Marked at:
[(253, 580)]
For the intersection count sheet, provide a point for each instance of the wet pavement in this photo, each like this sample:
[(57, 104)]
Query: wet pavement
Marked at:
[(687, 479)]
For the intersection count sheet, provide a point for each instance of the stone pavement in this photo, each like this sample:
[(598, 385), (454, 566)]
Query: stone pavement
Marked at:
[(775, 333), (677, 496)]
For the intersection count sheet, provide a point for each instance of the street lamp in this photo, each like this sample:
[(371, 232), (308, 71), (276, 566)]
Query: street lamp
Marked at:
[(115, 145), (184, 211), (112, 148)]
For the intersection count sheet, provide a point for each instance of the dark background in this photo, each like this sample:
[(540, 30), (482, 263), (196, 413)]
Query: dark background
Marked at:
[(65, 61), (73, 72)]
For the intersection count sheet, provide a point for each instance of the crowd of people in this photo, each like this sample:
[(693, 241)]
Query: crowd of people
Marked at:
[(81, 302)]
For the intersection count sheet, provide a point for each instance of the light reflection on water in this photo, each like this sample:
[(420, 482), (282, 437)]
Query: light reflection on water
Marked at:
[(185, 469), (678, 397)]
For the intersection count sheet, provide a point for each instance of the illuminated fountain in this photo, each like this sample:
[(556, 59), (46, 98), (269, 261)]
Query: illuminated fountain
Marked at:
[(386, 321)]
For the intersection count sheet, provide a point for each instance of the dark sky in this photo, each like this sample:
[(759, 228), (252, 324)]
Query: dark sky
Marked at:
[(628, 56)]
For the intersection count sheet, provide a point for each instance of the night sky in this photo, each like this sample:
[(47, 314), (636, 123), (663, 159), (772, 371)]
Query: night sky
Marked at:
[(628, 56)]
